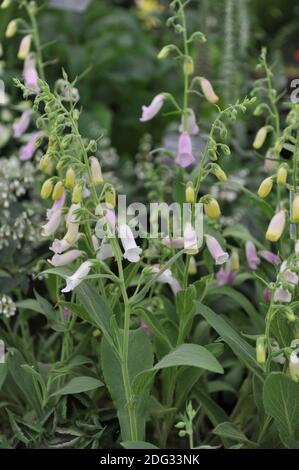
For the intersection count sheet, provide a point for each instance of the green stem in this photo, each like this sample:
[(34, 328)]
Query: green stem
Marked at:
[(36, 38)]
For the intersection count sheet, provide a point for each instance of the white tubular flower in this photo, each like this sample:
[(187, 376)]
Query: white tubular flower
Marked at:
[(167, 278), (65, 258), (75, 279), (71, 216), (105, 252), (173, 242), (190, 240), (279, 359), (54, 220), (288, 276), (60, 246), (132, 251), (294, 365), (282, 295), (216, 250), (72, 233)]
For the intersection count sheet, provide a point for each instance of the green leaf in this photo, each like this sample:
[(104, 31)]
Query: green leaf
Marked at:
[(3, 373), (191, 355), (138, 445), (140, 358), (230, 431), (253, 198), (241, 348), (281, 401), (79, 385)]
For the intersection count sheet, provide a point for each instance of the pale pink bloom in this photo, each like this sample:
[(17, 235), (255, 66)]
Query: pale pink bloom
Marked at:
[(276, 226), (75, 279), (269, 256), (225, 275), (148, 112), (145, 328), (175, 243), (267, 294), (251, 255), (27, 151), (59, 203), (111, 218), (216, 250), (66, 313), (288, 275), (208, 91), (54, 220), (105, 252), (192, 127), (21, 126), (132, 251), (190, 240), (297, 247), (59, 246), (167, 278), (282, 295), (185, 154), (30, 74), (65, 258), (270, 164)]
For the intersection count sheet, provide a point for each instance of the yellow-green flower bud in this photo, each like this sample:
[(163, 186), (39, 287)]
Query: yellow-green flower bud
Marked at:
[(70, 178), (190, 193), (260, 350), (58, 191), (24, 48), (5, 4), (295, 212), (46, 190), (282, 174), (44, 162), (234, 261), (96, 171), (110, 197), (192, 269), (260, 138), (77, 194), (11, 29), (265, 187), (219, 173), (211, 208), (188, 66), (164, 52)]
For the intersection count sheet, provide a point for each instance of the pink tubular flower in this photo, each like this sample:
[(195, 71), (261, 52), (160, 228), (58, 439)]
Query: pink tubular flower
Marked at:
[(167, 278), (65, 258), (75, 279), (22, 124), (132, 251), (175, 243), (66, 313), (269, 256), (30, 74), (282, 295), (208, 91), (267, 294), (216, 250), (287, 275), (111, 218), (146, 329), (27, 151), (225, 275), (185, 156), (148, 112), (190, 240), (54, 220), (192, 127), (59, 246), (251, 255)]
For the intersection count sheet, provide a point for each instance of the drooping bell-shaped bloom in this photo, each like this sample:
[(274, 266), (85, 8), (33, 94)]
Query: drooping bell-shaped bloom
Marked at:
[(276, 227), (251, 255), (288, 275), (282, 295), (294, 365), (132, 251), (167, 278), (225, 275), (192, 127), (216, 250), (111, 218), (30, 74), (175, 243), (27, 151), (54, 220), (59, 246), (105, 252), (146, 329), (269, 256), (148, 112), (185, 153), (22, 124), (75, 279), (190, 240), (208, 91), (65, 258)]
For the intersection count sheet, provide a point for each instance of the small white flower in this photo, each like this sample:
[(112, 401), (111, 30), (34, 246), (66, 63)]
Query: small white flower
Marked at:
[(132, 251), (65, 258), (166, 277), (282, 295), (54, 220), (105, 252), (190, 240), (75, 279)]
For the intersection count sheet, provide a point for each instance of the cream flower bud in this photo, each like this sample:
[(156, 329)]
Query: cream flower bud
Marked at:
[(11, 29), (192, 269), (294, 365), (265, 187), (46, 190), (211, 207), (188, 66), (190, 193), (282, 174), (208, 91), (70, 178), (260, 350), (96, 171), (110, 197), (234, 261), (58, 191), (5, 4), (164, 52), (260, 138), (77, 194), (219, 173), (295, 209), (24, 48), (276, 227)]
